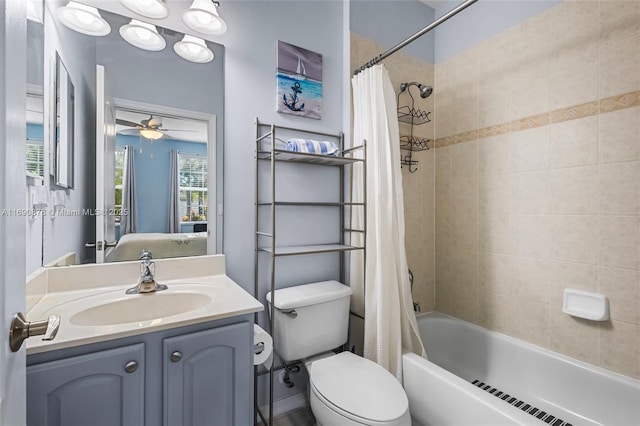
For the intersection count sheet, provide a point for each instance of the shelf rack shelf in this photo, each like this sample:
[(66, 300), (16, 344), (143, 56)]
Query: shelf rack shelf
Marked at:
[(413, 143), (310, 204), (269, 247), (301, 157), (312, 249), (414, 116)]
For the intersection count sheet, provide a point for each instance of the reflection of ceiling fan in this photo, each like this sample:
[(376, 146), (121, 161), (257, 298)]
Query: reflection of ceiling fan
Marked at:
[(150, 128)]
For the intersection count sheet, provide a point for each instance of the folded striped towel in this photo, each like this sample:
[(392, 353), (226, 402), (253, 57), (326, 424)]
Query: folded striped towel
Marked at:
[(310, 146)]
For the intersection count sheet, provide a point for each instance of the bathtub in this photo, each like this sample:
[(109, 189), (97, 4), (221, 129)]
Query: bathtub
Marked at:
[(441, 389)]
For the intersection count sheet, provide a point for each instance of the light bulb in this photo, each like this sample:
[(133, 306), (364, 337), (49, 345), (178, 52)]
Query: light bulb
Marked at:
[(83, 19), (142, 35), (193, 49)]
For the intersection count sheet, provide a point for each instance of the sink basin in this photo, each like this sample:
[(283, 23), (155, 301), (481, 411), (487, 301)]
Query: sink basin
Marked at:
[(142, 307)]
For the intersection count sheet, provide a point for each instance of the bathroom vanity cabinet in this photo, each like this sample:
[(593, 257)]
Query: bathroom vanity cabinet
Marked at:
[(200, 374)]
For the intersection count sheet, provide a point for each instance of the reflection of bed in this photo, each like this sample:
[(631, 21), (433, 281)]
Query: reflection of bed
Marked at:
[(161, 245)]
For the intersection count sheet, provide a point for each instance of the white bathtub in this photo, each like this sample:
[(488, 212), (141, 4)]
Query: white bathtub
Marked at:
[(441, 393)]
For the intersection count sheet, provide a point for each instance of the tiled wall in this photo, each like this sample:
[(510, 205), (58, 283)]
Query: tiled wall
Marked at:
[(419, 198), (538, 180)]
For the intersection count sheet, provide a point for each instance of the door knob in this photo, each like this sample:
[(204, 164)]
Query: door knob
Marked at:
[(176, 356), (21, 329)]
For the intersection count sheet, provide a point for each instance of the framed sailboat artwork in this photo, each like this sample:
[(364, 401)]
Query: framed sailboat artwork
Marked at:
[(299, 81)]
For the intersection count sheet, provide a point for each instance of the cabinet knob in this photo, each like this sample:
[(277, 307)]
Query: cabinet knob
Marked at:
[(131, 366), (176, 356)]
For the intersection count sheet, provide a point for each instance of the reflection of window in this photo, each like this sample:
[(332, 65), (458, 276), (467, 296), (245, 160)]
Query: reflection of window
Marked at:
[(193, 187), (118, 180), (35, 157)]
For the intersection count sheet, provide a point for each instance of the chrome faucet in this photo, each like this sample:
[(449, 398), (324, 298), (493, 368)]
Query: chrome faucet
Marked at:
[(146, 282)]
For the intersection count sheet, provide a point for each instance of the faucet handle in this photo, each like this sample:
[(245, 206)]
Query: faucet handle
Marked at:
[(146, 254)]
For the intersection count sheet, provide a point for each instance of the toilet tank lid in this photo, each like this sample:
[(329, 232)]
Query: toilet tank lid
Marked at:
[(309, 294)]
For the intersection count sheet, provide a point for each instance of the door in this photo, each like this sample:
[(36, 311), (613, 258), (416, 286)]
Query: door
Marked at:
[(99, 389), (12, 198), (105, 169), (208, 377)]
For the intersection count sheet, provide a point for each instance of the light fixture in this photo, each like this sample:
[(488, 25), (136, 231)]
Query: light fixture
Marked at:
[(154, 9), (203, 17), (193, 49), (152, 134), (83, 19), (142, 35)]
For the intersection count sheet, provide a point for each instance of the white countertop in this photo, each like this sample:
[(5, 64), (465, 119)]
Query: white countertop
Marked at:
[(70, 291)]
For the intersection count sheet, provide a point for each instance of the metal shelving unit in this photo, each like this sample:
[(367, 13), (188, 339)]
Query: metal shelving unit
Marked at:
[(271, 157)]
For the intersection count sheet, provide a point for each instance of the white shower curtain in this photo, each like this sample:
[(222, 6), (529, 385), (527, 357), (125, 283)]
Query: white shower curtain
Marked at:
[(129, 221), (390, 323)]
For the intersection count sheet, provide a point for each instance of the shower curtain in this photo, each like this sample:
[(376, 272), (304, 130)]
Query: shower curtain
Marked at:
[(128, 222), (174, 193), (390, 323)]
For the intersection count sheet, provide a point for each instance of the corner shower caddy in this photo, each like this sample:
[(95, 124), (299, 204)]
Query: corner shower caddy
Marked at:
[(411, 115), (266, 242)]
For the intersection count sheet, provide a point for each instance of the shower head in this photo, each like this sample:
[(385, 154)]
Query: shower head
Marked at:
[(425, 91)]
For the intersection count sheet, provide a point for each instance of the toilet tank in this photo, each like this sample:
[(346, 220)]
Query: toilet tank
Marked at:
[(310, 318)]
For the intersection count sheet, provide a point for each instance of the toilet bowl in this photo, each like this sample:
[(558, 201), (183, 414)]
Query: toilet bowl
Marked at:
[(344, 389), (348, 390)]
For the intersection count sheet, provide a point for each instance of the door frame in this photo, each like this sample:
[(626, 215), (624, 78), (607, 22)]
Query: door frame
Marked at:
[(13, 86), (105, 124), (213, 247)]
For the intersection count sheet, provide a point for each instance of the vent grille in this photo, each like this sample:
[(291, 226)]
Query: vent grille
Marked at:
[(518, 403)]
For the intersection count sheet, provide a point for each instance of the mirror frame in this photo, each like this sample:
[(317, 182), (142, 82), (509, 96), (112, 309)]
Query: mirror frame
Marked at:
[(62, 138)]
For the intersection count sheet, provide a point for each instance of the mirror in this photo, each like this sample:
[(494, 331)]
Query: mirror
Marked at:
[(35, 101), (178, 156), (122, 95), (62, 135)]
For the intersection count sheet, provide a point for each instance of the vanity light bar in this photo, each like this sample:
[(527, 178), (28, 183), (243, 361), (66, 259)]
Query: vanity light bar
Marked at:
[(87, 20)]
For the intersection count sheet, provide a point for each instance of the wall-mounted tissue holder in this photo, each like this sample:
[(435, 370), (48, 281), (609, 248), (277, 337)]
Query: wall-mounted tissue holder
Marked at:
[(584, 304)]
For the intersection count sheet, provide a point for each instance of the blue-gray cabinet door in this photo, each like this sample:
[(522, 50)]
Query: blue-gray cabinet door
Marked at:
[(88, 390), (208, 377)]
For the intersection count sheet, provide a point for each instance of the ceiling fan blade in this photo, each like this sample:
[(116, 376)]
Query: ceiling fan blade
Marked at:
[(153, 122), (132, 132), (127, 123), (176, 130)]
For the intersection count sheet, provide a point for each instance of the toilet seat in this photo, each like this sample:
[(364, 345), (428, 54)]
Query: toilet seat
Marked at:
[(359, 390)]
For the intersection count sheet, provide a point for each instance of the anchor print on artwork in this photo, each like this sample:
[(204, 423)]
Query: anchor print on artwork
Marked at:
[(293, 98)]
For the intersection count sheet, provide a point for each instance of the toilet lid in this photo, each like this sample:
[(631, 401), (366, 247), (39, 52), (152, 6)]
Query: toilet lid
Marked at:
[(360, 387)]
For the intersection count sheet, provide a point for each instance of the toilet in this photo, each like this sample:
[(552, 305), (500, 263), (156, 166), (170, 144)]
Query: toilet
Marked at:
[(344, 389)]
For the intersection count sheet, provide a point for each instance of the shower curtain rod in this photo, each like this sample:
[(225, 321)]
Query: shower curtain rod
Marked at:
[(417, 35)]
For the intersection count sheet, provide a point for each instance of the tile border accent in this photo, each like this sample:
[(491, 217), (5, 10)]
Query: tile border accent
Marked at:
[(615, 103), (574, 112), (610, 104)]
